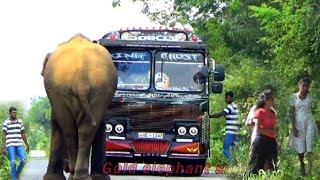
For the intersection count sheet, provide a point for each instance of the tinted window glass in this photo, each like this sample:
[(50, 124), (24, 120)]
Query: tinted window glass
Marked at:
[(176, 71), (133, 69)]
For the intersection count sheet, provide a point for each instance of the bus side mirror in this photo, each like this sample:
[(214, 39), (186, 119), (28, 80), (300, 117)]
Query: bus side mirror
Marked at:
[(201, 75), (204, 71), (219, 72), (217, 88)]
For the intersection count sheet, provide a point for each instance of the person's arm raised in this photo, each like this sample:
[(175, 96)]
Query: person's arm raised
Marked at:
[(217, 115)]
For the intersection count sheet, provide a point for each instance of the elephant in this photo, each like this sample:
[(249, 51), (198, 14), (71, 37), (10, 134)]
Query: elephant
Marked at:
[(80, 80)]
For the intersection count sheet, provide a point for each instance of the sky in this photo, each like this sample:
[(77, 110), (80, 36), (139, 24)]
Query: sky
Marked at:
[(31, 28)]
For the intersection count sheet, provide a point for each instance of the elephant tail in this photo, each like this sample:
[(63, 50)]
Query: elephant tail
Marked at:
[(80, 116), (86, 109)]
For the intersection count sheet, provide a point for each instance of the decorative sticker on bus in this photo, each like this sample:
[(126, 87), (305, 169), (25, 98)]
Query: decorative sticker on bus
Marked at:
[(131, 55), (154, 36), (180, 56)]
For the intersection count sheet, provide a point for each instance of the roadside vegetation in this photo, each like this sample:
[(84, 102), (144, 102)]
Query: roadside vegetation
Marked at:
[(37, 125), (263, 44)]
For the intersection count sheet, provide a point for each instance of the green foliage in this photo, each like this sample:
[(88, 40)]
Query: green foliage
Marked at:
[(39, 121), (263, 44), (4, 114), (37, 125)]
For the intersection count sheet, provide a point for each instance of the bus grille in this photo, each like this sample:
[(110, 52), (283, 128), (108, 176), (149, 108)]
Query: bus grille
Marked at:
[(153, 117), (150, 146)]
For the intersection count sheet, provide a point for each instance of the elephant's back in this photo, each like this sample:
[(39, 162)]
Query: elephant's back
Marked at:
[(80, 63)]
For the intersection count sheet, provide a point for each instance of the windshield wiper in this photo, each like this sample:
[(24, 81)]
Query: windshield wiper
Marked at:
[(162, 62)]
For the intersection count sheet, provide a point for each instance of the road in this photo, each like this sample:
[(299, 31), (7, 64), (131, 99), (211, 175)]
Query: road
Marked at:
[(36, 168)]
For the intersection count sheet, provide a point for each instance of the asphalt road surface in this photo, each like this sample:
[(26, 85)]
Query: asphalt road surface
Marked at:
[(36, 168)]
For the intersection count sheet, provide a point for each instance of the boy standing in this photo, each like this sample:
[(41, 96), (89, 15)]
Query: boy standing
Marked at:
[(231, 112), (12, 135)]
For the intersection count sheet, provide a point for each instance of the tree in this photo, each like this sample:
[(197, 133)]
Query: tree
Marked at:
[(39, 121), (292, 32)]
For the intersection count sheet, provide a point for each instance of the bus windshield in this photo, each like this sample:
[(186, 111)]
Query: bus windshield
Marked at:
[(133, 69), (176, 71)]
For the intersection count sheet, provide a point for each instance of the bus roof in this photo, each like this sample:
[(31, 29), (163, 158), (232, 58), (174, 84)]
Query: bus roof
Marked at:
[(153, 37)]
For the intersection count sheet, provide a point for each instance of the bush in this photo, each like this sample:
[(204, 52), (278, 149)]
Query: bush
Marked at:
[(247, 80)]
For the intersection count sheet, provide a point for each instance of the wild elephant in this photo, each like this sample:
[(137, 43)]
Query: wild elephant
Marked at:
[(80, 80)]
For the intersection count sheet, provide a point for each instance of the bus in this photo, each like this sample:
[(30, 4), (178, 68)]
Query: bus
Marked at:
[(159, 112)]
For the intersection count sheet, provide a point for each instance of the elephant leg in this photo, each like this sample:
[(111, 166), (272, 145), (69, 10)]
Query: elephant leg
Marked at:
[(55, 165), (71, 139), (65, 120), (86, 134), (66, 161), (98, 155)]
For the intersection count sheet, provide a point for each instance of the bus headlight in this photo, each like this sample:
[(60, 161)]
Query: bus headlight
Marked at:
[(108, 128), (182, 131), (119, 128), (193, 131)]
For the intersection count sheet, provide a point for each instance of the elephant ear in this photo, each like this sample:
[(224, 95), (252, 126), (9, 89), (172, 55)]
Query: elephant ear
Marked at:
[(45, 63)]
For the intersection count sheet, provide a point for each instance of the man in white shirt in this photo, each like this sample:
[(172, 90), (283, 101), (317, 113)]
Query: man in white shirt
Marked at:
[(13, 136), (231, 113)]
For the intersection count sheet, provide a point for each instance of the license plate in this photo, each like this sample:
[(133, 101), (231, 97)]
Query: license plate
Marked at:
[(150, 135)]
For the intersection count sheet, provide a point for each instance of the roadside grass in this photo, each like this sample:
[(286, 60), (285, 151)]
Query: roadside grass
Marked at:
[(288, 164)]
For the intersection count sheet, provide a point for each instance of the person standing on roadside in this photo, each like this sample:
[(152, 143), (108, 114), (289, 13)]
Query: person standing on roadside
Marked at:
[(250, 123), (13, 135), (304, 128), (231, 112), (264, 145)]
